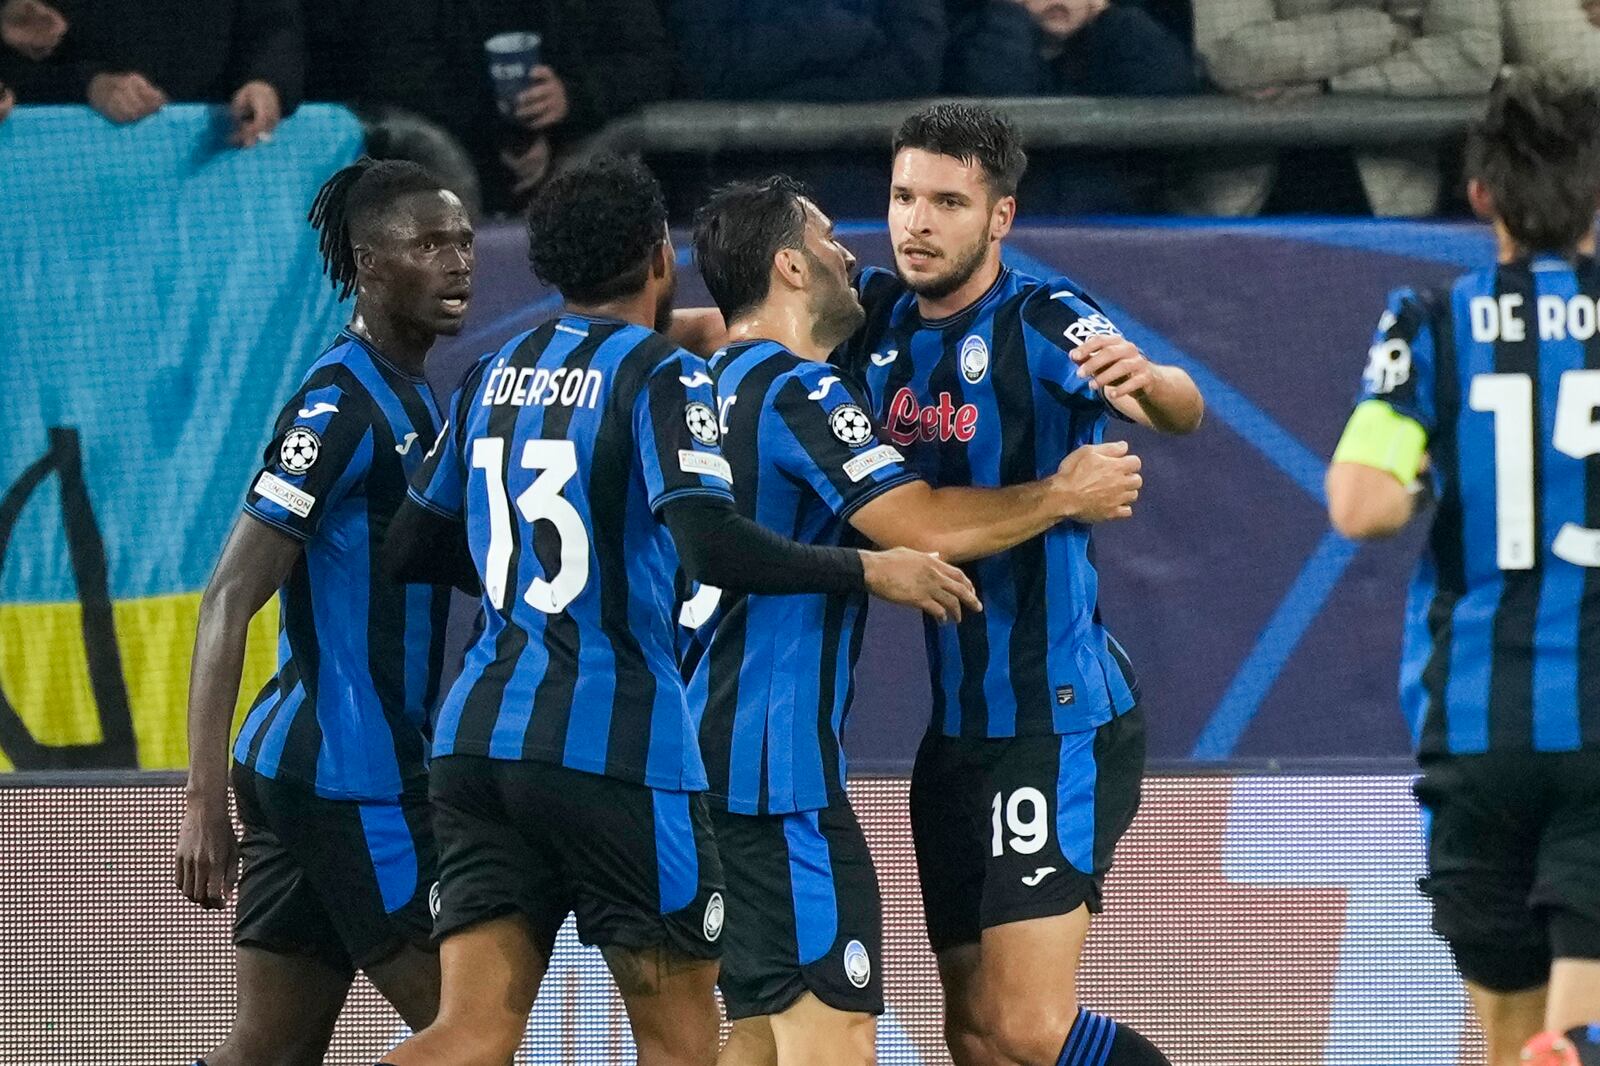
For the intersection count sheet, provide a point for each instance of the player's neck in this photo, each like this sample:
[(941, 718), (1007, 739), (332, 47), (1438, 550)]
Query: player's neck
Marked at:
[(785, 324), (968, 294), (402, 344), (638, 309), (1509, 251)]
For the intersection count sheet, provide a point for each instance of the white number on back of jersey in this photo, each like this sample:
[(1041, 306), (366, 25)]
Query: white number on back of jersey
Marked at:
[(1029, 834), (557, 462), (1509, 397)]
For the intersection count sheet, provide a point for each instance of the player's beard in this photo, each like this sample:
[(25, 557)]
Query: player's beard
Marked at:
[(965, 265), (835, 312), (664, 304)]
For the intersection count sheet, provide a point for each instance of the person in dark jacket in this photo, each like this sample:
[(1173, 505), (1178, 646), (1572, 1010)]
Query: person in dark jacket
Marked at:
[(128, 58), (834, 51)]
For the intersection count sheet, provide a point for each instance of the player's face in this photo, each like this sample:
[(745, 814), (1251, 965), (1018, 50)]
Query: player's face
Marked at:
[(836, 311), (422, 267), (943, 219)]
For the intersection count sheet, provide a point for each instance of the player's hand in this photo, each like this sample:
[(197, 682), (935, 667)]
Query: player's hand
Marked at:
[(1114, 365), (256, 112), (921, 580), (208, 853), (544, 102), (31, 27), (124, 98), (1099, 482)]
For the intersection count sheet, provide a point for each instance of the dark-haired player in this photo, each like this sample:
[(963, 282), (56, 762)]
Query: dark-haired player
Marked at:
[(1030, 770), (1491, 385), (801, 970), (581, 461), (330, 765)]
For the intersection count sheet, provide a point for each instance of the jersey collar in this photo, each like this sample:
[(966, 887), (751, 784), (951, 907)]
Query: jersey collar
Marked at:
[(988, 297), (378, 357)]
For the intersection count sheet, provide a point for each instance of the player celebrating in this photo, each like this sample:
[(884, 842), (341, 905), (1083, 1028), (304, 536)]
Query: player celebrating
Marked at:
[(1030, 771), (800, 972), (329, 767), (1491, 384), (582, 460)]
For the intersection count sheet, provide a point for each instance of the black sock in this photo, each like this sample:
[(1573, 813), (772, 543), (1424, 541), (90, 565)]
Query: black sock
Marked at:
[(1096, 1040)]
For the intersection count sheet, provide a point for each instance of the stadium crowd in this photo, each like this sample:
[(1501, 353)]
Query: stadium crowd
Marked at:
[(416, 71)]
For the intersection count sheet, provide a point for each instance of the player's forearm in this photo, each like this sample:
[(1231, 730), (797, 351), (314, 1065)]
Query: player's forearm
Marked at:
[(1365, 503), (1170, 404), (962, 524), (218, 665)]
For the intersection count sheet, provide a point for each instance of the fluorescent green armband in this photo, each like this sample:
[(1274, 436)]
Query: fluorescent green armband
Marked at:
[(1380, 437)]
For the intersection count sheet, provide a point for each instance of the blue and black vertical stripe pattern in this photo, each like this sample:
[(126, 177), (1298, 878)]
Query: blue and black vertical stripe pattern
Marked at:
[(1504, 359), (775, 684), (990, 398), (562, 449), (359, 656)]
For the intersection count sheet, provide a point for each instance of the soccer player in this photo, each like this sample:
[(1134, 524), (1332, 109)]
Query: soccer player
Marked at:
[(801, 955), (329, 769), (1490, 385), (582, 461), (1031, 768)]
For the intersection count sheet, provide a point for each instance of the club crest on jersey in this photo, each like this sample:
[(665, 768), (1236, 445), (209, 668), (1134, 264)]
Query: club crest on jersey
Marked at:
[(702, 422), (974, 359), (711, 925), (909, 421), (851, 425), (857, 964), (299, 450)]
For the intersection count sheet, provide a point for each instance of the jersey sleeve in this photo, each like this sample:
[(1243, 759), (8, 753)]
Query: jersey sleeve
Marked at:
[(827, 437), (320, 453), (877, 289), (679, 437), (1056, 318), (440, 483), (1400, 363)]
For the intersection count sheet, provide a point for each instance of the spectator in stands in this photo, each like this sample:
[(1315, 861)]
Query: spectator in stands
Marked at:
[(1063, 47), (8, 100), (128, 58), (1559, 35), (601, 59), (1284, 49), (29, 32), (833, 51)]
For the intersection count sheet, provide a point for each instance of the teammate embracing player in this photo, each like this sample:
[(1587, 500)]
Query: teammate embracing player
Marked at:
[(801, 969), (1490, 385)]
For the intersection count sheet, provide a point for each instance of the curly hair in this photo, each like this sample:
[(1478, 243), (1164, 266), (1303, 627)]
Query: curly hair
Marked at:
[(1537, 150), (592, 229)]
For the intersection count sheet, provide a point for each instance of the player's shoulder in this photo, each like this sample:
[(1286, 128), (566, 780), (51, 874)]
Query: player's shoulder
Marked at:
[(1058, 310), (333, 383), (878, 284)]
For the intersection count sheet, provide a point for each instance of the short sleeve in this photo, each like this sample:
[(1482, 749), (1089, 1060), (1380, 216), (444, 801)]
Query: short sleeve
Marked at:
[(1400, 363), (320, 453), (829, 439), (1057, 318), (678, 434)]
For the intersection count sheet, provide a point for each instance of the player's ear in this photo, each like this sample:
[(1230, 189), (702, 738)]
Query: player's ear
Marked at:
[(366, 258), (1481, 199), (790, 266), (1001, 216), (661, 259)]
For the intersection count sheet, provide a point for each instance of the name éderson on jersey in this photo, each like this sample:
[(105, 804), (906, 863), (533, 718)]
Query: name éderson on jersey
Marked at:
[(538, 387)]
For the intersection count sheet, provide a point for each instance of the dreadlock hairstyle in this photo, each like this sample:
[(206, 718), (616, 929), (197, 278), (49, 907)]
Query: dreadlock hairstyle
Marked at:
[(1538, 151), (350, 200)]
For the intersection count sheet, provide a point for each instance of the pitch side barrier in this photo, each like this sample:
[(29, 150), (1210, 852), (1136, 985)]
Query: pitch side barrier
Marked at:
[(1197, 122), (1258, 914)]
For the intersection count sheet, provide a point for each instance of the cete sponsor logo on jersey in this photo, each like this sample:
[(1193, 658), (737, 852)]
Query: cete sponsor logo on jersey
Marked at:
[(910, 421)]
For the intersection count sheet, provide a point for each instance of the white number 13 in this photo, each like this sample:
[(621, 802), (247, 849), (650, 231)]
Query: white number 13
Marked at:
[(1509, 397), (557, 462)]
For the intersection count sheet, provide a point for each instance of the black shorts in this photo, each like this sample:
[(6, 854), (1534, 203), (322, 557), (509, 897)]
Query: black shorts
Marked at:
[(1017, 828), (1513, 861), (637, 865), (803, 912), (344, 881)]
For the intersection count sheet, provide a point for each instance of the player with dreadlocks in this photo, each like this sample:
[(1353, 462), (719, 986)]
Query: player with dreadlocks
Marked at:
[(329, 767)]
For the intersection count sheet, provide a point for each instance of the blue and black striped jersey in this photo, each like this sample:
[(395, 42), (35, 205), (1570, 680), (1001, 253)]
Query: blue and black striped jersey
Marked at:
[(1502, 371), (359, 656), (775, 683), (989, 397), (561, 449)]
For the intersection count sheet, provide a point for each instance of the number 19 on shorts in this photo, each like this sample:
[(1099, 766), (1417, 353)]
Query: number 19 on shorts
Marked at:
[(1021, 822)]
